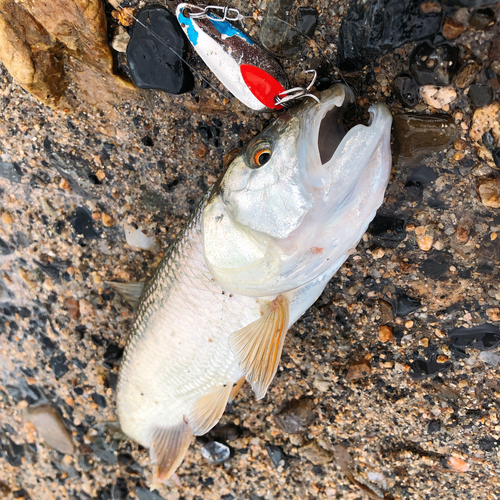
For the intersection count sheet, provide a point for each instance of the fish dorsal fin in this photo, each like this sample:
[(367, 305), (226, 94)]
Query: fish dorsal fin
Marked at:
[(257, 347), (131, 292), (208, 409), (168, 447)]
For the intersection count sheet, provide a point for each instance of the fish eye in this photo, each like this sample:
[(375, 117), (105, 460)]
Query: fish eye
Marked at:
[(260, 154)]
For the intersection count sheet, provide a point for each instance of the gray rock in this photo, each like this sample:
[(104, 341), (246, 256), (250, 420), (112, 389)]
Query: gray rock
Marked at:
[(10, 171), (296, 416), (215, 452), (490, 358), (51, 428)]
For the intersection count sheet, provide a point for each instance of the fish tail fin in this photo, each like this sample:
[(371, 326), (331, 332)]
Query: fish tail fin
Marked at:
[(257, 347), (168, 448)]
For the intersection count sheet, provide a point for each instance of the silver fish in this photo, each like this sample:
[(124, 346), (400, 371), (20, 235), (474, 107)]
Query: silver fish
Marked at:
[(257, 252)]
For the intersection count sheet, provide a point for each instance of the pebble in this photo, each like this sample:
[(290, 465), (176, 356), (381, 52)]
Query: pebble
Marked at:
[(490, 358), (276, 454), (458, 464), (51, 428), (425, 238), (7, 218), (107, 220), (406, 305), (153, 64), (138, 240), (378, 253), (120, 41), (489, 192), (496, 157), (417, 135), (452, 28), (482, 19), (486, 123), (296, 416), (464, 227), (385, 334), (434, 65), (366, 34), (83, 224), (387, 228), (215, 452), (480, 95), (307, 19), (225, 433), (359, 369), (316, 454), (467, 75), (73, 307), (438, 97), (406, 90)]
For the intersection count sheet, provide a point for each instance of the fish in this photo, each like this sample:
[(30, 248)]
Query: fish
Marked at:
[(253, 257)]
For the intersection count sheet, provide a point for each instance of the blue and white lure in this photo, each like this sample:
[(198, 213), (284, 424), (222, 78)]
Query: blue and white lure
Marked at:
[(245, 69)]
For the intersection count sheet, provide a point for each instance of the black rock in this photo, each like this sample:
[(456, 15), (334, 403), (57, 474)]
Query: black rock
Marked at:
[(215, 452), (373, 28), (434, 426), (5, 248), (99, 400), (11, 451), (276, 455), (428, 368), (307, 19), (496, 156), (387, 228), (50, 270), (10, 171), (487, 443), (434, 65), (59, 365), (405, 305), (296, 416), (406, 90), (225, 433), (156, 51), (488, 141), (480, 95), (113, 354), (83, 223), (436, 264), (483, 337)]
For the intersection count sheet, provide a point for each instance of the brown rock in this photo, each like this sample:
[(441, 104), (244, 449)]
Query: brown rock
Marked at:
[(460, 144), (378, 253), (73, 307), (489, 192), (493, 313), (430, 7), (296, 416), (359, 369), (438, 97), (463, 229), (452, 28), (316, 454), (37, 39), (107, 220), (386, 311), (467, 75), (425, 238), (385, 334), (125, 15), (51, 428), (485, 119)]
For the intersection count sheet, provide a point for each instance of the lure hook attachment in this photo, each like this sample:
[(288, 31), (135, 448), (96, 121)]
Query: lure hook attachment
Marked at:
[(228, 13), (297, 92)]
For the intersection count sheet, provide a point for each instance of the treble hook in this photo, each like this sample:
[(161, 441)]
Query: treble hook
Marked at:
[(227, 13), (297, 92)]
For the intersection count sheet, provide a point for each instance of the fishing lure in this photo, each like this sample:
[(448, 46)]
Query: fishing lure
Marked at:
[(245, 69)]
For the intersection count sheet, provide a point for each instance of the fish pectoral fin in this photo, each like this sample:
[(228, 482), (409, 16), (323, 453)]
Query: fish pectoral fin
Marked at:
[(236, 387), (257, 347), (168, 447), (131, 292), (208, 409)]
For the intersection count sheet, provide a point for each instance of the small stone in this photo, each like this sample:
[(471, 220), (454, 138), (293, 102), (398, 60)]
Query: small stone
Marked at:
[(406, 90), (316, 454), (464, 227), (486, 123), (496, 157), (416, 135), (438, 97), (307, 19), (462, 384), (83, 223), (153, 63), (489, 192), (429, 7), (73, 307), (452, 28), (215, 452), (7, 218), (124, 15), (442, 358), (434, 65), (296, 416), (51, 428), (424, 341), (359, 369), (378, 253), (225, 433), (120, 41), (458, 464), (425, 238), (492, 313), (86, 308), (138, 240), (107, 220), (467, 75), (489, 357), (276, 454), (480, 95), (434, 426), (460, 144), (321, 385), (482, 19), (385, 334)]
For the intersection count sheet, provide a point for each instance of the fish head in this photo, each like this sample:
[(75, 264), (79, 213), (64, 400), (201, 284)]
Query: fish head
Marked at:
[(268, 223)]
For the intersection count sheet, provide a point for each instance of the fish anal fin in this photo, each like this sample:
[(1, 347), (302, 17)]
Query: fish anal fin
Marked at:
[(168, 447), (208, 409), (131, 292), (236, 388), (257, 347)]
